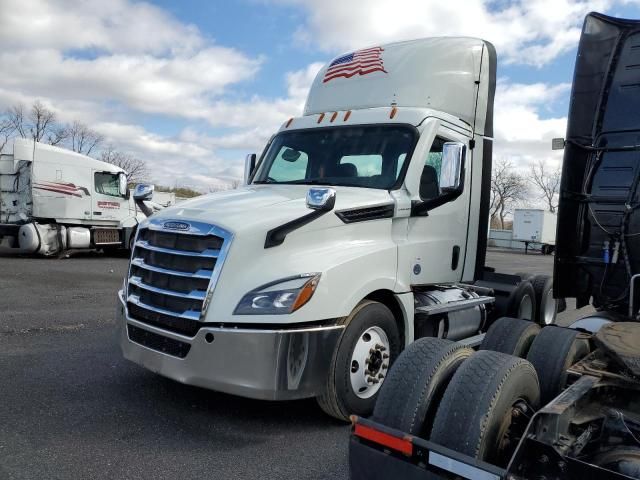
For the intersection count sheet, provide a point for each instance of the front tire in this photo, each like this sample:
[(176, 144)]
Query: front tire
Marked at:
[(367, 347)]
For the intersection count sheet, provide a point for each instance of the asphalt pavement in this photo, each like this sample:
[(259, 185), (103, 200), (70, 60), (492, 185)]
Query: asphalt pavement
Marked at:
[(71, 407)]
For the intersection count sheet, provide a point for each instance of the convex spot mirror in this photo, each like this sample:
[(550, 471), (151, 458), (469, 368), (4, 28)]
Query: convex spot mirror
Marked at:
[(249, 167), (143, 192), (451, 169)]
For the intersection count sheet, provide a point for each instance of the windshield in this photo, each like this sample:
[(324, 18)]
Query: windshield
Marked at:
[(361, 156)]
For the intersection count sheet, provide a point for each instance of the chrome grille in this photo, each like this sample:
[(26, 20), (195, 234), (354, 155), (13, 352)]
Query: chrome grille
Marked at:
[(172, 274)]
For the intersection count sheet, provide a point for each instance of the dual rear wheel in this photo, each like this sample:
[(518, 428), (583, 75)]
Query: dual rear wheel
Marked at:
[(479, 403)]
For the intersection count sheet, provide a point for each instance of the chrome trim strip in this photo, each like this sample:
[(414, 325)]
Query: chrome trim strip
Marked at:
[(208, 253), (193, 295), (188, 315), (203, 274), (458, 468)]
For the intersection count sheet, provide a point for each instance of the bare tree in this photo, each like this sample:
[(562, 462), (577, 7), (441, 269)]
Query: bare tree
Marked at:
[(82, 139), (547, 183), (15, 118), (39, 124), (42, 121), (507, 189), (136, 168), (6, 130)]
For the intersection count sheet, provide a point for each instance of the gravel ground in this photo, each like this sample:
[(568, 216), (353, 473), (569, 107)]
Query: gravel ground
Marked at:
[(71, 407)]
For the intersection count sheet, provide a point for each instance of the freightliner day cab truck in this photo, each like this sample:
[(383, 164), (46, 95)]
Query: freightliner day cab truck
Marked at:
[(54, 200), (362, 227), (556, 403)]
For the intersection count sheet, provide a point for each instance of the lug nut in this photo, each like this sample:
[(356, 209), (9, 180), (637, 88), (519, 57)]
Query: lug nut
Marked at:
[(380, 376), (375, 380), (371, 351), (385, 366), (385, 355)]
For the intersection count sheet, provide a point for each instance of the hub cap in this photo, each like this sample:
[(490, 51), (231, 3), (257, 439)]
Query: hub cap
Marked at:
[(550, 306), (525, 310), (369, 362)]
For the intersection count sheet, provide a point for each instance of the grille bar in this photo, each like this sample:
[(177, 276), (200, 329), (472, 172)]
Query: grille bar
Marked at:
[(193, 295), (139, 262), (208, 253), (157, 342), (188, 315)]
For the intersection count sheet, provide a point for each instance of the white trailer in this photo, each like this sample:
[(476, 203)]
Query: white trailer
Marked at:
[(53, 199), (535, 227), (361, 227)]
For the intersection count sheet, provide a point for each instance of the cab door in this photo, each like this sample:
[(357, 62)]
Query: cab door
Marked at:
[(437, 239), (108, 204)]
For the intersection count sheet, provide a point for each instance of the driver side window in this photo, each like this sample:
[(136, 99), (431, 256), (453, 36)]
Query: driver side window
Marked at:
[(430, 178)]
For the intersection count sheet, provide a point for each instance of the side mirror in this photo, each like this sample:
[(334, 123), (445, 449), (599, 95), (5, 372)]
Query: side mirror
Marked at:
[(143, 192), (249, 167), (321, 198), (123, 186), (451, 169)]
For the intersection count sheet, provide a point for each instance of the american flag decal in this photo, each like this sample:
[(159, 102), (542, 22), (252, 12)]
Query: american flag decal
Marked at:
[(361, 62)]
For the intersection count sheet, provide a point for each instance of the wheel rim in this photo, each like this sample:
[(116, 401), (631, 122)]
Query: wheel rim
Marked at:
[(525, 310), (550, 306), (369, 362), (510, 431)]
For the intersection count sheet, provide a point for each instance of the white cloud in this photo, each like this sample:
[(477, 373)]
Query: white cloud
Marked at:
[(521, 132), (524, 31)]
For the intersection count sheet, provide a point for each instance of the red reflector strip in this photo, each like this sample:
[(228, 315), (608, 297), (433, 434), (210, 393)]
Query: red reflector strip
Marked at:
[(402, 445)]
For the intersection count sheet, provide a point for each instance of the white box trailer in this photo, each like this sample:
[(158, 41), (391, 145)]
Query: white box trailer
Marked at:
[(535, 227)]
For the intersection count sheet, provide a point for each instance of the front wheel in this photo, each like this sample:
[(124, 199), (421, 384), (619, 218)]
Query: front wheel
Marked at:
[(367, 347)]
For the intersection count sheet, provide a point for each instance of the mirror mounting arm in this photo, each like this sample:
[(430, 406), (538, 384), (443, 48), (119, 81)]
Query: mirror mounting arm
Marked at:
[(423, 208)]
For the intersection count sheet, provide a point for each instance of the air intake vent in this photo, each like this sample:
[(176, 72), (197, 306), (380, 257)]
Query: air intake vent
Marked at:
[(366, 213)]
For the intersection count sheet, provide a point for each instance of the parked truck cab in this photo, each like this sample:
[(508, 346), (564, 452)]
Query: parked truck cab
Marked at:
[(54, 200), (361, 227)]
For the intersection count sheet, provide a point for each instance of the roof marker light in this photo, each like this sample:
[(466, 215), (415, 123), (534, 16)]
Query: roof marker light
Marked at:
[(321, 117), (333, 117), (288, 122), (394, 110), (347, 115)]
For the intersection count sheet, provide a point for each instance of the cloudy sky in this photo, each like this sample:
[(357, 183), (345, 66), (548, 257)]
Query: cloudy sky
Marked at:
[(192, 86)]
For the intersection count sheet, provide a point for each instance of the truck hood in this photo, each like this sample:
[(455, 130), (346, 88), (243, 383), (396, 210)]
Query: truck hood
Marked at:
[(262, 207), (600, 170)]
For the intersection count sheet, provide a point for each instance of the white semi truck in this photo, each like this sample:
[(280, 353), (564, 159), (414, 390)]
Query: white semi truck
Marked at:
[(54, 200), (362, 227)]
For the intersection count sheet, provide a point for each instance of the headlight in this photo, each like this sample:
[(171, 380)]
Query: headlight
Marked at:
[(280, 297)]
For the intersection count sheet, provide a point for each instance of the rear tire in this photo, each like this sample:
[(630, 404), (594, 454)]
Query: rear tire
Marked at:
[(546, 305), (414, 387), (340, 398), (512, 336), (479, 410), (553, 351)]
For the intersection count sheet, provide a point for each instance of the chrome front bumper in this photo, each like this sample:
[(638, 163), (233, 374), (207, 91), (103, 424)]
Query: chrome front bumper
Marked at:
[(264, 364)]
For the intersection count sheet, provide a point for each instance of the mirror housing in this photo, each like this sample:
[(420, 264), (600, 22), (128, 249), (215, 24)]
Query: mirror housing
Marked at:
[(249, 167), (451, 168), (323, 198), (143, 191), (451, 179), (123, 185)]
